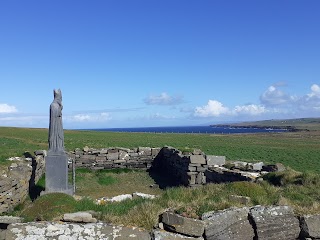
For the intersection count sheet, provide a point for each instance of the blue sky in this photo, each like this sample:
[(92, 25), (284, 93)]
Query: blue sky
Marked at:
[(134, 63)]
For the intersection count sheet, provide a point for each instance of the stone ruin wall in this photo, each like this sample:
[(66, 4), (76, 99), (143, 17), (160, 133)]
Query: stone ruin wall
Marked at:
[(188, 169), (16, 182)]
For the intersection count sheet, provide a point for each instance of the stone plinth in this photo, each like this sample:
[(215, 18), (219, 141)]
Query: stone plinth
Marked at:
[(57, 174)]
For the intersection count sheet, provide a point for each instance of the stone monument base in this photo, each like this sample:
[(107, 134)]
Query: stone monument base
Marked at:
[(57, 174)]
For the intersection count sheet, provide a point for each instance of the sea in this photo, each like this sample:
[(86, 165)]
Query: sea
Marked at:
[(192, 129)]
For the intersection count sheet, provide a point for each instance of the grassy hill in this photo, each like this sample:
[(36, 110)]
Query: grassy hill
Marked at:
[(310, 124)]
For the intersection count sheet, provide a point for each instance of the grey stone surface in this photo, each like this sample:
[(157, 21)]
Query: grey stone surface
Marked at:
[(113, 156), (163, 235), (80, 217), (10, 219), (187, 226), (310, 226), (41, 152), (228, 224), (275, 222), (57, 174), (144, 151), (65, 231), (56, 136), (216, 160), (197, 159), (257, 166)]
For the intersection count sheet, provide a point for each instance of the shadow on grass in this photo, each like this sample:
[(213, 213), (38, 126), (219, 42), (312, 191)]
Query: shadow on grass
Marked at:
[(34, 189)]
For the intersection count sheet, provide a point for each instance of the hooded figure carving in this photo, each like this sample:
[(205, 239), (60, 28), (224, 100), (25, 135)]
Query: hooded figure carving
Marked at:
[(56, 138)]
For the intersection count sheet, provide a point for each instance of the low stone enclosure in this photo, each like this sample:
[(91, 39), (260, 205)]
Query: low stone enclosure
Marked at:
[(258, 222), (191, 169)]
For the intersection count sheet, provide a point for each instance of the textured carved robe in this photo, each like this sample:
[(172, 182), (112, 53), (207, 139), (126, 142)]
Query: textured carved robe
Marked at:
[(56, 138)]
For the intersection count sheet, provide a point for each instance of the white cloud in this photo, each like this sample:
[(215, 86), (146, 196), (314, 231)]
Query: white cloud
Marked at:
[(311, 101), (212, 109), (217, 109), (5, 108), (315, 91), (273, 96), (163, 99), (251, 109), (92, 117)]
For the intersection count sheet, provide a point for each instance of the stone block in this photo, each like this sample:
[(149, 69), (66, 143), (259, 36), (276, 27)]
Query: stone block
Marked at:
[(197, 152), (228, 224), (133, 154), (201, 169), (41, 152), (192, 169), (103, 151), (155, 151), (199, 159), (216, 160), (164, 235), (10, 219), (119, 161), (310, 226), (124, 156), (113, 156), (83, 217), (57, 174), (113, 150), (199, 178), (99, 158), (187, 226), (192, 180), (257, 166), (275, 222), (146, 151)]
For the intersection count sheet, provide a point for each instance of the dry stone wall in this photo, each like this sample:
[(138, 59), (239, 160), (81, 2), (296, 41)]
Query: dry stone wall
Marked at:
[(16, 182), (188, 168), (109, 158)]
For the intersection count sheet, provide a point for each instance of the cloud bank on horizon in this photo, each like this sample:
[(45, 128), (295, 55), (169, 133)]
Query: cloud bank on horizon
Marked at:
[(274, 103)]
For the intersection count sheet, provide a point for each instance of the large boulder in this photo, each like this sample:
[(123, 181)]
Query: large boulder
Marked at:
[(310, 226), (187, 226), (227, 224), (275, 222)]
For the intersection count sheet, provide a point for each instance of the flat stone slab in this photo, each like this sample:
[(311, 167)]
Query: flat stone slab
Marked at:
[(310, 226), (64, 231), (197, 159), (187, 226), (216, 160), (80, 217), (275, 222), (228, 224), (10, 219), (164, 235)]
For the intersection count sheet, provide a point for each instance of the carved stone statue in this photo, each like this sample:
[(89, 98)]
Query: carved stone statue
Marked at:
[(56, 137)]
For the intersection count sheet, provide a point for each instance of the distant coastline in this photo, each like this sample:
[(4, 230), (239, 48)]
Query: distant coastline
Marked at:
[(237, 126), (221, 129)]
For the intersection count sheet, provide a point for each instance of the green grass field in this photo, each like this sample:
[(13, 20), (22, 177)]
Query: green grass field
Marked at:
[(299, 150)]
